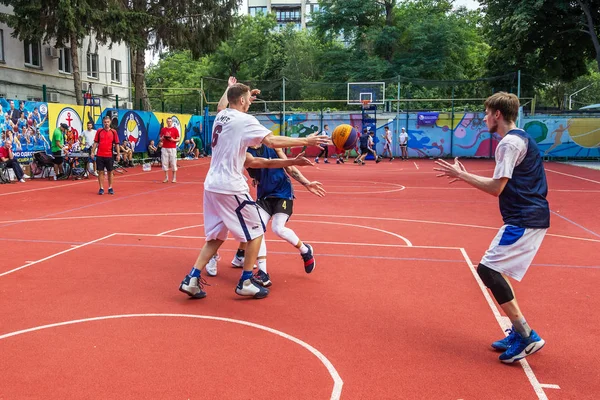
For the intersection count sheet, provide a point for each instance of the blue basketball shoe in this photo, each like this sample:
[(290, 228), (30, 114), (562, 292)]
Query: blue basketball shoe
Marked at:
[(309, 259), (193, 286), (263, 278), (504, 344), (250, 287), (522, 347)]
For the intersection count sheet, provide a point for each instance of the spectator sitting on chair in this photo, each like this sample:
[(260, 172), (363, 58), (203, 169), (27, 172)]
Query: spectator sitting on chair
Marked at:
[(153, 152), (127, 152), (7, 156)]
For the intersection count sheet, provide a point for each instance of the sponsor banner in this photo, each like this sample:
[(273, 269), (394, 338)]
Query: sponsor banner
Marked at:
[(427, 118)]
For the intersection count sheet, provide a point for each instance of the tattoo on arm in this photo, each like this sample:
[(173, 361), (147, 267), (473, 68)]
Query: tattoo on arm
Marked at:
[(294, 173)]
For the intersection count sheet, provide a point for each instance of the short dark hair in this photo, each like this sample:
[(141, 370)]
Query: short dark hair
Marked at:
[(106, 116), (235, 92), (506, 103)]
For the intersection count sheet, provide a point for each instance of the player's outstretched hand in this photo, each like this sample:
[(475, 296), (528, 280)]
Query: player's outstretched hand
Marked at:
[(452, 171), (316, 188), (253, 94), (232, 81), (317, 140), (300, 160)]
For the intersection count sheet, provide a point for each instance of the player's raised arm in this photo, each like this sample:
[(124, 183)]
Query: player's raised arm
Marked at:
[(457, 171), (223, 102)]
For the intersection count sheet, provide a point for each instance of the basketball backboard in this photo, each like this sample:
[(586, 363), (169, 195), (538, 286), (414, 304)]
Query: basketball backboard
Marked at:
[(360, 92)]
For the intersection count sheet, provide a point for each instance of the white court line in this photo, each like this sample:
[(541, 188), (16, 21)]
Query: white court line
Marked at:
[(180, 229), (573, 176), (549, 386), (30, 263), (505, 324), (416, 166), (337, 380), (408, 243), (303, 215)]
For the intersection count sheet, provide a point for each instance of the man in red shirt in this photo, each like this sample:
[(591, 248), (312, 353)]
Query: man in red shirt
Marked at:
[(7, 157), (104, 141), (170, 138)]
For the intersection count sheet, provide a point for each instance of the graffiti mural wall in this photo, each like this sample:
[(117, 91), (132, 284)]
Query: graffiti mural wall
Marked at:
[(29, 131), (565, 137), (431, 135)]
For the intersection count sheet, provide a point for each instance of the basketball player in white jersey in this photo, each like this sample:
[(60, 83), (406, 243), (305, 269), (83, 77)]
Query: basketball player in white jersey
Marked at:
[(228, 206), (387, 143)]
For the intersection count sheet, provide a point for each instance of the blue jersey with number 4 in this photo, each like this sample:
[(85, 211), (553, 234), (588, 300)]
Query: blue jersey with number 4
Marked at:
[(272, 182)]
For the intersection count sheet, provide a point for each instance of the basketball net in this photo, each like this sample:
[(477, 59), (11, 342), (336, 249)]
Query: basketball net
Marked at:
[(365, 103)]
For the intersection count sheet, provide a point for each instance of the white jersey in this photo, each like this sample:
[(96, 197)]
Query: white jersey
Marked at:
[(89, 137), (511, 152), (388, 136), (233, 133)]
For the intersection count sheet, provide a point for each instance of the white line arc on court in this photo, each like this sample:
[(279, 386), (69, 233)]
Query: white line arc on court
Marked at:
[(337, 380)]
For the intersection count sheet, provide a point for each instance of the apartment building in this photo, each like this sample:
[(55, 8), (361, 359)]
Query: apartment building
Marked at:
[(295, 12), (26, 67)]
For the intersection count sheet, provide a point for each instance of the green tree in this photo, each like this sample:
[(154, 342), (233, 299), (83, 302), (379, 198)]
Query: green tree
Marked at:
[(549, 40), (60, 21), (194, 25)]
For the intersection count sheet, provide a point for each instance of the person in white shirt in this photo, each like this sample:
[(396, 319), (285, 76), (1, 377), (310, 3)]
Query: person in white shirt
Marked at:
[(325, 147), (387, 143), (89, 135), (403, 140), (228, 206)]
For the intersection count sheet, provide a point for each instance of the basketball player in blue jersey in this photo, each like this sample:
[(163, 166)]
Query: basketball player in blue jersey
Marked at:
[(275, 196), (519, 182)]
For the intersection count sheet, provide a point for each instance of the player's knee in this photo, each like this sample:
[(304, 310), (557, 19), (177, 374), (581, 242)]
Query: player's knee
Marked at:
[(494, 281)]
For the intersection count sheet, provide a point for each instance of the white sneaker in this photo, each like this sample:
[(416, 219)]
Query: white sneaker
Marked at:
[(94, 173), (174, 180), (250, 288), (25, 176), (211, 267), (22, 180), (238, 262)]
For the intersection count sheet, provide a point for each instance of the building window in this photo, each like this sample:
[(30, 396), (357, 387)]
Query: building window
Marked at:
[(92, 65), (33, 56), (1, 45), (254, 11), (115, 70), (287, 15), (64, 61)]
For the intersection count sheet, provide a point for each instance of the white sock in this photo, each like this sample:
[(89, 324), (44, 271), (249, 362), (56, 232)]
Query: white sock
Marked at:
[(262, 264), (303, 249)]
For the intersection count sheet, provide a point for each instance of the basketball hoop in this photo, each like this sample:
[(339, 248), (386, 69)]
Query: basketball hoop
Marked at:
[(365, 103)]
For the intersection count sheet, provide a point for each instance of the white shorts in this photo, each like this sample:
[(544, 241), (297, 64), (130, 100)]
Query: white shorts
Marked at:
[(513, 250), (238, 214), (169, 159)]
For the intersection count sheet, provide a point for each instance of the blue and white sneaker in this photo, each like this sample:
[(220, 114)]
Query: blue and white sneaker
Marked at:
[(238, 262), (251, 288), (211, 266), (263, 278), (504, 344), (309, 259), (522, 347), (192, 286)]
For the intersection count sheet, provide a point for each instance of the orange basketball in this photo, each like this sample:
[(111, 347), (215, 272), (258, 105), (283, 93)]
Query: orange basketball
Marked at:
[(344, 137)]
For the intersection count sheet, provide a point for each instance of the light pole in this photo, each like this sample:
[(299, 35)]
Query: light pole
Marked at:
[(580, 90)]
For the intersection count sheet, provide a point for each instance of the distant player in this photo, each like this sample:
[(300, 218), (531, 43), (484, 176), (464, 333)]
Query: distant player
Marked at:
[(387, 143), (366, 147), (519, 182), (227, 202), (324, 147)]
